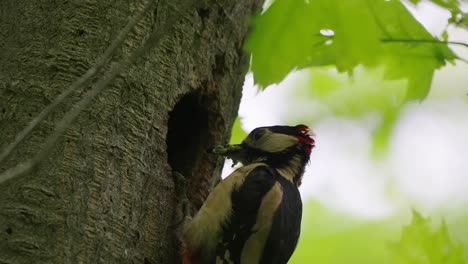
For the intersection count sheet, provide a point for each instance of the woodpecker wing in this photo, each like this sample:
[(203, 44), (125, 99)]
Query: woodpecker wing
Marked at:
[(286, 226), (202, 234), (264, 225)]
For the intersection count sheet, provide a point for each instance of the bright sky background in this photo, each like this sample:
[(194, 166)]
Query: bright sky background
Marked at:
[(427, 162)]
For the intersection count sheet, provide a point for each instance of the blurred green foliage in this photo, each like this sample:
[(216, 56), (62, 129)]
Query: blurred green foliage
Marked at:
[(334, 238), (237, 133), (450, 5), (367, 92), (419, 244)]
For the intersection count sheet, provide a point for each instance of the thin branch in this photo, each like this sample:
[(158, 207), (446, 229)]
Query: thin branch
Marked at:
[(434, 41), (79, 83), (71, 115)]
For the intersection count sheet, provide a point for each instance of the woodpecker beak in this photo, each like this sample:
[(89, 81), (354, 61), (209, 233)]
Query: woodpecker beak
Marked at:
[(233, 152)]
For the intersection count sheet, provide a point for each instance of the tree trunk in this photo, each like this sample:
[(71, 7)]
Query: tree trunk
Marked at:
[(106, 193)]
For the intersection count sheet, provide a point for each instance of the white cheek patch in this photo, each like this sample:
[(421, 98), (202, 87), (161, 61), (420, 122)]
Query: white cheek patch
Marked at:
[(275, 142)]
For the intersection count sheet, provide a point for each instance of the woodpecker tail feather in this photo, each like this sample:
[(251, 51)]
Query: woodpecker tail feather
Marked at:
[(186, 256)]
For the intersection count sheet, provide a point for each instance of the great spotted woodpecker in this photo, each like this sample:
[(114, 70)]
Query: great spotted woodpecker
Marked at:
[(253, 215)]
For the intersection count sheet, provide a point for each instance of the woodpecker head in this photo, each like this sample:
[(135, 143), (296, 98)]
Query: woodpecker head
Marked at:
[(281, 147)]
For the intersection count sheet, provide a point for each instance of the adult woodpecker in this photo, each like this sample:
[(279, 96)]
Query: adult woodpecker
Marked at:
[(253, 215)]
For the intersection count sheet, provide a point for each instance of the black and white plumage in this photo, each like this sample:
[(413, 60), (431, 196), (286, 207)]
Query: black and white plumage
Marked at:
[(254, 215)]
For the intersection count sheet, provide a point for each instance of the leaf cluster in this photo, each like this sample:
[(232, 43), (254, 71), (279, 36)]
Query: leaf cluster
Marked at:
[(419, 244), (295, 34)]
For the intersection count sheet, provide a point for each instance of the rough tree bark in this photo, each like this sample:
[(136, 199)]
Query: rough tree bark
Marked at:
[(106, 193)]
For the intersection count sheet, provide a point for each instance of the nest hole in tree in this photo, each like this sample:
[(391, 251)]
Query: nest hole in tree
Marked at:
[(187, 134), (195, 126)]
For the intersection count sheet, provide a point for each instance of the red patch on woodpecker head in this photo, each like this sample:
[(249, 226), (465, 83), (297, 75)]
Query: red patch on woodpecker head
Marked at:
[(306, 137)]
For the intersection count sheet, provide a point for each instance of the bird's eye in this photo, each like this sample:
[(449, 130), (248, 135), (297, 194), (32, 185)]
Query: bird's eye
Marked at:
[(257, 134)]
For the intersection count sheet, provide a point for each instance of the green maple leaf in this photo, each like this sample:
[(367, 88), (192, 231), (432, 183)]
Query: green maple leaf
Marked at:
[(294, 34), (419, 244)]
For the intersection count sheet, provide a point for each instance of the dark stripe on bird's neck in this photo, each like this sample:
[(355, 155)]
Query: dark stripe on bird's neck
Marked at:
[(290, 163)]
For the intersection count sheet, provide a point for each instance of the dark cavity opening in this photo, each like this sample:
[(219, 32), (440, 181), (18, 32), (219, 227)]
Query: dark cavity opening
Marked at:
[(187, 136)]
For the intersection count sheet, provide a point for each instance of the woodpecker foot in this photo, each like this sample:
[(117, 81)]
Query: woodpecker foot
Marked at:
[(183, 207)]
